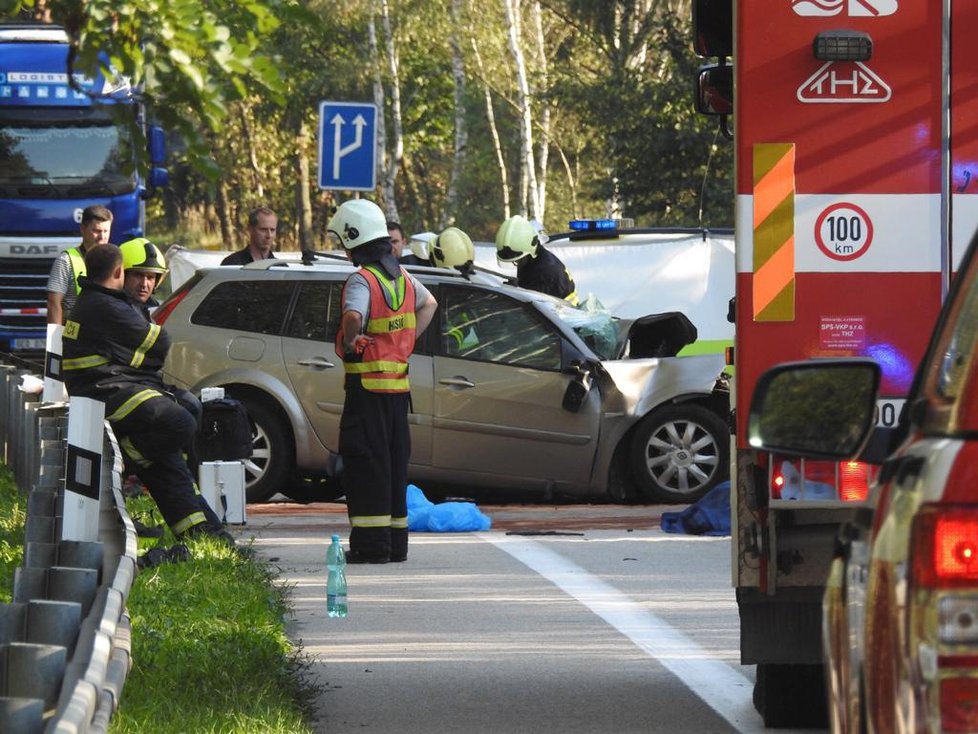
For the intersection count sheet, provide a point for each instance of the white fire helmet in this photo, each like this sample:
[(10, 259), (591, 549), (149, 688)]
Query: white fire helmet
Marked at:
[(357, 222)]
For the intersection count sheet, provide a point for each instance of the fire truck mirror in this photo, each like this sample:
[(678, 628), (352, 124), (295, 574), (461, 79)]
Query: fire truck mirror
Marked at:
[(713, 27), (821, 409), (714, 90)]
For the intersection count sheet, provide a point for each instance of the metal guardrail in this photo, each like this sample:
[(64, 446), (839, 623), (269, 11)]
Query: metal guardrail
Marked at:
[(65, 638)]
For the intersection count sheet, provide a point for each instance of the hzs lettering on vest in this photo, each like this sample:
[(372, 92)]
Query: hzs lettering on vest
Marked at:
[(395, 324)]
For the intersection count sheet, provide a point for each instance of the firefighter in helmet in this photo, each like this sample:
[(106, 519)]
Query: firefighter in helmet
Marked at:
[(113, 354), (144, 268), (384, 309), (453, 249), (519, 241)]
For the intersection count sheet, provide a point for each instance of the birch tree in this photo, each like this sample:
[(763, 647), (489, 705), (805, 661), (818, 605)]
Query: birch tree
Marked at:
[(529, 204), (461, 131)]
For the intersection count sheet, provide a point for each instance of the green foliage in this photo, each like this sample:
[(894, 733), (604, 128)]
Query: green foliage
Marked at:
[(238, 84), (191, 58), (209, 648), (13, 516)]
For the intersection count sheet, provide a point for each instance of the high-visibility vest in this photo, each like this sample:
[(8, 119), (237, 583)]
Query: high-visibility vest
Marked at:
[(77, 261), (383, 366)]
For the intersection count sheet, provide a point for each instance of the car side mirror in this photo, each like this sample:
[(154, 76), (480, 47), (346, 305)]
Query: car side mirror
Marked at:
[(819, 409), (578, 388)]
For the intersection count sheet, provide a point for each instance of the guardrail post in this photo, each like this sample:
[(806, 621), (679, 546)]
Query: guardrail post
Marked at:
[(54, 387), (83, 472)]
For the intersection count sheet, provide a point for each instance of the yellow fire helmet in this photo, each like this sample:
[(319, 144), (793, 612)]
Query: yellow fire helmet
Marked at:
[(141, 254), (453, 249)]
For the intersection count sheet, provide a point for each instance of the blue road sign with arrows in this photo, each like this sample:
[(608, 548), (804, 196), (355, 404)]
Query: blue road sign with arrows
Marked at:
[(347, 146)]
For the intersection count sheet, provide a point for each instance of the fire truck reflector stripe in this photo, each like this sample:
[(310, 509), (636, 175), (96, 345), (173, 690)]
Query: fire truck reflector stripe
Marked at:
[(774, 232)]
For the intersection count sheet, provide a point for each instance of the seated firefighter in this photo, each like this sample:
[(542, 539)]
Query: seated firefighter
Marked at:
[(114, 355), (144, 269)]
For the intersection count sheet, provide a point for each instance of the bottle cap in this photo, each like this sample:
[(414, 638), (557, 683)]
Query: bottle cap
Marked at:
[(336, 538)]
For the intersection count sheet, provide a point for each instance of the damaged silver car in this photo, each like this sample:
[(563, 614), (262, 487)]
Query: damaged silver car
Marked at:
[(512, 390)]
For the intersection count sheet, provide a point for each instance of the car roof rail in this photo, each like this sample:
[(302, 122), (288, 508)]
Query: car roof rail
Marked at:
[(267, 263), (310, 256)]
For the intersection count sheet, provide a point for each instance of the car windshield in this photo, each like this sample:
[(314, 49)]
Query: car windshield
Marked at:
[(591, 322)]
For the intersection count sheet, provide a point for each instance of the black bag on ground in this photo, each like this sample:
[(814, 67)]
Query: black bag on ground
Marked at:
[(225, 431)]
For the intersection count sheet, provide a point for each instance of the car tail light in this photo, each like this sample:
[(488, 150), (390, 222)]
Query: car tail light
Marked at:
[(853, 481), (946, 543), (163, 312), (959, 704)]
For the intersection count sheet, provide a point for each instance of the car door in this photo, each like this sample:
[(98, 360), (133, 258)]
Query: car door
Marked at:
[(316, 372), (498, 389)]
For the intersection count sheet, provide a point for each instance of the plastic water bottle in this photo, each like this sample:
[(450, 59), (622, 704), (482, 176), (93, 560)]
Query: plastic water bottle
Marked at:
[(335, 579)]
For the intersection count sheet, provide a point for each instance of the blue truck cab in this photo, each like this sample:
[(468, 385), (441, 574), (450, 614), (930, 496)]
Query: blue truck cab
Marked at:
[(61, 149)]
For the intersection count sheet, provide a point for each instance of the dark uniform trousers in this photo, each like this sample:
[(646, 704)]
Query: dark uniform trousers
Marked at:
[(154, 437), (375, 446)]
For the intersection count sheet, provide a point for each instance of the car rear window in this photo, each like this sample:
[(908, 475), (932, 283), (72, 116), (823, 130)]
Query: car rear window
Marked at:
[(245, 305)]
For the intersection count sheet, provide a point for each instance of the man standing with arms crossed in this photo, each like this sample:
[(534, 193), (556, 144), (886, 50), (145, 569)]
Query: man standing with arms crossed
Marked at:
[(384, 310), (63, 288)]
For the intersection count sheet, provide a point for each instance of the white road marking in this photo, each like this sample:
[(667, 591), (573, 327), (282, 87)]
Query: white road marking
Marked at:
[(722, 688)]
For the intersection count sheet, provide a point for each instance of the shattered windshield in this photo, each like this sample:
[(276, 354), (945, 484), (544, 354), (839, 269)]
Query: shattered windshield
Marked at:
[(591, 322)]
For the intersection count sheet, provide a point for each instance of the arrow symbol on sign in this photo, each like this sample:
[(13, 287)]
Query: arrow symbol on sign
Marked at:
[(341, 151)]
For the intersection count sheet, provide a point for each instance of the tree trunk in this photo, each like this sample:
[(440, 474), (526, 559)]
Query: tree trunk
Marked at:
[(528, 182), (249, 141), (303, 198), (379, 100), (544, 113), (461, 132), (224, 217), (493, 131), (395, 159)]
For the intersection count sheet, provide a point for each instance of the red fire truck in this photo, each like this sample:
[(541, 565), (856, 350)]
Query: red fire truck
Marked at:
[(855, 124)]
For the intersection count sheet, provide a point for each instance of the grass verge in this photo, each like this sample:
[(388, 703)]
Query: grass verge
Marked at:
[(13, 516), (209, 648)]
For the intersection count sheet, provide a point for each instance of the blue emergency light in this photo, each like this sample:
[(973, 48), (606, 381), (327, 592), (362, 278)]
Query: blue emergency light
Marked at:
[(592, 225)]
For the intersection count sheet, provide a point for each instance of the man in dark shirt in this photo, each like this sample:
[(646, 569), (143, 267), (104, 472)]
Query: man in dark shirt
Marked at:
[(262, 227)]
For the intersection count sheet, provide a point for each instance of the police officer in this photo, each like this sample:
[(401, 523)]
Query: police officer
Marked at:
[(538, 269), (62, 287), (113, 354), (384, 309)]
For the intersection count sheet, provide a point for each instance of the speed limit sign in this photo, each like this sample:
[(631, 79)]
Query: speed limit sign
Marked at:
[(844, 231)]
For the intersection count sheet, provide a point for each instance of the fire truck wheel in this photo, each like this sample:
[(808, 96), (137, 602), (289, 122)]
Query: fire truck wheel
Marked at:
[(680, 452), (791, 696)]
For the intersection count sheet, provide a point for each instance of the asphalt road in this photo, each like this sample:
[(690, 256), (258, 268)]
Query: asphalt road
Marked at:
[(561, 618)]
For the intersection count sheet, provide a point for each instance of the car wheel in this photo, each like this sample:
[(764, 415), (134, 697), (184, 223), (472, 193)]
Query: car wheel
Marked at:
[(271, 461), (679, 453)]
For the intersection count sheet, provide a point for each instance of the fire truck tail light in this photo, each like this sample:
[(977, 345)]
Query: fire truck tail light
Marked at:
[(853, 481), (946, 541), (959, 704), (958, 620)]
